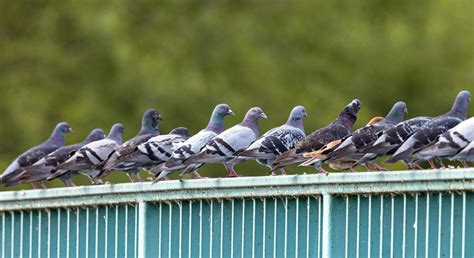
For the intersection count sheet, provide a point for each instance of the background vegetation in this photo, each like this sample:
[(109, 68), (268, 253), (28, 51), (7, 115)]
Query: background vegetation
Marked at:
[(93, 63)]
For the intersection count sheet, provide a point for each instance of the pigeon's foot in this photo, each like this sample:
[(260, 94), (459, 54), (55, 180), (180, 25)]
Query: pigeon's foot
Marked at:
[(43, 185), (464, 164), (379, 168), (367, 168), (139, 178), (441, 164), (69, 183), (282, 172), (432, 165), (196, 175), (323, 171), (232, 173)]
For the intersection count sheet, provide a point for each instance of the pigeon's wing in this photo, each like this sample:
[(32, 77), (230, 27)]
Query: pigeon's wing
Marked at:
[(275, 143), (28, 158), (224, 145), (90, 156), (190, 147), (159, 148)]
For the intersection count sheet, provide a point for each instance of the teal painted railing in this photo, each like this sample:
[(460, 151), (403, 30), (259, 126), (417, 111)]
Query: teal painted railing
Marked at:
[(380, 214)]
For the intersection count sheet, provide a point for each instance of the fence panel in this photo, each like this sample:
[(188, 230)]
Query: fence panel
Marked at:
[(389, 214)]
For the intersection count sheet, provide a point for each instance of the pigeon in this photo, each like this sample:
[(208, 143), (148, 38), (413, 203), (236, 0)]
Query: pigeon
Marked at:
[(194, 144), (451, 142), (117, 161), (222, 148), (392, 138), (90, 158), (31, 156), (41, 170), (430, 130), (351, 146), (157, 149), (315, 158), (277, 140), (337, 129)]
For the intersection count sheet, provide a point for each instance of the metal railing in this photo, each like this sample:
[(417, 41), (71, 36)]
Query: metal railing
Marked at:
[(379, 214)]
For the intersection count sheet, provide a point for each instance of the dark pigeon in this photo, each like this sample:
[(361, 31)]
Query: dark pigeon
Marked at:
[(235, 139), (277, 140), (336, 130), (41, 170), (90, 158), (149, 129), (31, 156), (430, 130), (194, 144)]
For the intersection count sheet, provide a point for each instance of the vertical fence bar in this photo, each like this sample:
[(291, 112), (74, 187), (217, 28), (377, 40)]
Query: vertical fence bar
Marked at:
[(327, 227), (147, 225)]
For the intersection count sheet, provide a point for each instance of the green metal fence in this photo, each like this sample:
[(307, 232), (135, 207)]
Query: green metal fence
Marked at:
[(387, 214)]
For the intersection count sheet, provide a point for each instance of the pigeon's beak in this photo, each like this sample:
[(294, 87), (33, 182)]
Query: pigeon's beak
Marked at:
[(305, 114), (160, 118), (406, 110), (262, 115), (231, 112), (70, 130)]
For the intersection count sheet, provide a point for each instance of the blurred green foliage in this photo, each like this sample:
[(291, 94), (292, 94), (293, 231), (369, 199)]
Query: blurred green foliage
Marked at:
[(93, 63)]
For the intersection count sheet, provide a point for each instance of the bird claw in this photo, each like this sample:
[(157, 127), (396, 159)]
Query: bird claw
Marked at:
[(233, 174)]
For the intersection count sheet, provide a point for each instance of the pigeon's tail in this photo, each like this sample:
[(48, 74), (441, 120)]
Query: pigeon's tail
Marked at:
[(191, 168), (74, 164), (34, 177), (204, 157), (340, 153), (158, 169), (465, 155), (256, 153), (367, 158), (288, 158), (342, 164), (10, 179), (111, 162), (310, 162), (161, 175), (441, 150), (55, 174), (381, 148), (402, 155)]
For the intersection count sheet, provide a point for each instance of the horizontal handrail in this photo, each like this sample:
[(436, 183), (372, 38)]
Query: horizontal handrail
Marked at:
[(222, 188)]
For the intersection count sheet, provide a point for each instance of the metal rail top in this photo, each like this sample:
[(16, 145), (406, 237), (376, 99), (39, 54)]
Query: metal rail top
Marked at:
[(223, 188)]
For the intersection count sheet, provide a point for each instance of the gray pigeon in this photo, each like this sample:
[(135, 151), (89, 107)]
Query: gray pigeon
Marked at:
[(352, 146), (194, 144), (451, 142), (277, 140), (117, 161), (41, 170), (34, 154), (156, 150), (430, 130), (336, 130), (91, 157), (392, 138), (235, 139)]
